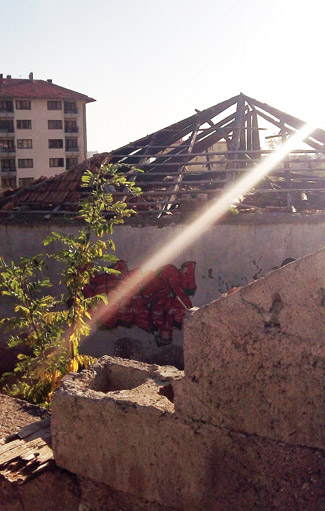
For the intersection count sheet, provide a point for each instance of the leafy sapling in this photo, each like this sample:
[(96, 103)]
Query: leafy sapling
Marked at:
[(50, 328)]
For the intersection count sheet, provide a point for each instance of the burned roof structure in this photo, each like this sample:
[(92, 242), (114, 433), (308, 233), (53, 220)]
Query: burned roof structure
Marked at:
[(183, 169)]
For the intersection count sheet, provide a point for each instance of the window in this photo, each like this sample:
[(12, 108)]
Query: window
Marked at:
[(24, 143), (25, 181), (70, 107), (56, 143), (71, 144), (54, 125), (25, 163), (23, 104), (8, 182), (54, 105), (24, 124), (70, 127), (6, 146), (71, 162), (8, 165), (56, 162), (6, 106)]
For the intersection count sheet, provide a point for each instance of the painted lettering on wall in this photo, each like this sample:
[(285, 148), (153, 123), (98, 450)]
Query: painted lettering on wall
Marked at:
[(154, 307)]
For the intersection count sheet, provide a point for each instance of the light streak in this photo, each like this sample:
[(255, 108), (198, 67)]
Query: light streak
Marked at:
[(192, 232), (199, 226)]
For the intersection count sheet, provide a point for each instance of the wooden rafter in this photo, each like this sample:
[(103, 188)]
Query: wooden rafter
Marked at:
[(165, 154), (290, 131), (290, 120), (182, 171)]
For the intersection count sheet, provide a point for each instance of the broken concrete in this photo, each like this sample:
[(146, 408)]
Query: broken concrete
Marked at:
[(242, 428), (255, 360), (26, 484), (104, 401)]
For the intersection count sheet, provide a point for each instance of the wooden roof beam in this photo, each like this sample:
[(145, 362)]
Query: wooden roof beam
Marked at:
[(172, 155), (294, 122), (180, 128), (290, 131)]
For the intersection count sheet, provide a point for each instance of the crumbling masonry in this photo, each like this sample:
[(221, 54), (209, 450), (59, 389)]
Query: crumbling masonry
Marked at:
[(241, 429)]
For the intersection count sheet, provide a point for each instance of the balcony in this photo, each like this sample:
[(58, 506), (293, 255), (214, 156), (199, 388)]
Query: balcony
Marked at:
[(71, 162), (6, 109), (70, 112), (4, 114), (7, 151), (8, 170), (72, 150), (7, 132), (8, 182), (71, 131)]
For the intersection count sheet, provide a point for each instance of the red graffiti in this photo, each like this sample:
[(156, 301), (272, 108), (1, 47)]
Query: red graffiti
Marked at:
[(154, 306)]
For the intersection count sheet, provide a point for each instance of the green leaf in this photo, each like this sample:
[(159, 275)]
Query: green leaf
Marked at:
[(49, 329)]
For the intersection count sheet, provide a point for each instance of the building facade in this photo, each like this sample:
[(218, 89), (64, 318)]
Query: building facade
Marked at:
[(42, 129)]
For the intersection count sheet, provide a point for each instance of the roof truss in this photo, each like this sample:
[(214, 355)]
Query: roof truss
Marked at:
[(167, 155)]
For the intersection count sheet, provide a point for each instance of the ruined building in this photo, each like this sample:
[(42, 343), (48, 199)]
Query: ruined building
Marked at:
[(241, 428), (186, 166)]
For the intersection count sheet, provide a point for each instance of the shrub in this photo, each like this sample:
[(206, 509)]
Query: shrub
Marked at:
[(48, 327)]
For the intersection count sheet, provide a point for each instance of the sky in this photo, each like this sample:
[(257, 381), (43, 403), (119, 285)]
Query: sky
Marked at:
[(149, 63)]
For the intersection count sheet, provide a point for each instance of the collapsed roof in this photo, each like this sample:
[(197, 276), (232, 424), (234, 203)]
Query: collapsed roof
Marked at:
[(182, 166)]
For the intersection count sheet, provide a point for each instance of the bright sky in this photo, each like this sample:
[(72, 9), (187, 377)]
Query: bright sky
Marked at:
[(150, 63)]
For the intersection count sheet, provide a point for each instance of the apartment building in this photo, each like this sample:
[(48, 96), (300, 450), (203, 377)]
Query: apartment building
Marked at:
[(42, 129)]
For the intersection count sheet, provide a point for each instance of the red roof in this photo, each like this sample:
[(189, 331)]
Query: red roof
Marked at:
[(61, 190), (33, 89)]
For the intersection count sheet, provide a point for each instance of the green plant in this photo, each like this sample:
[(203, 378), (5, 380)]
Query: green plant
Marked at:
[(50, 328)]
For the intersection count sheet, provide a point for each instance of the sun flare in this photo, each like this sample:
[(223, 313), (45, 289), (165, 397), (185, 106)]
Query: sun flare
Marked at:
[(200, 225)]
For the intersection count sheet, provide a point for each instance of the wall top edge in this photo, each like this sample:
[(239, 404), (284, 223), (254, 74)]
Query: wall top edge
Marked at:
[(35, 219)]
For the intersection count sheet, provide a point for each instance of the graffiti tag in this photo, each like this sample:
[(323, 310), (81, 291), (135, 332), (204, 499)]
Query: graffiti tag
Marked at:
[(154, 307)]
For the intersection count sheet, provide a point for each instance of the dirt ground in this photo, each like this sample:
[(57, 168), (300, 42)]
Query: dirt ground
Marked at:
[(15, 413)]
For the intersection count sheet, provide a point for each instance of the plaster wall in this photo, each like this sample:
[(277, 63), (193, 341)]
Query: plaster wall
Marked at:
[(228, 255), (232, 253), (40, 135)]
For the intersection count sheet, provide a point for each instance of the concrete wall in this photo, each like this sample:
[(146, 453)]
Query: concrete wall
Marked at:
[(232, 253), (241, 428), (267, 375)]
